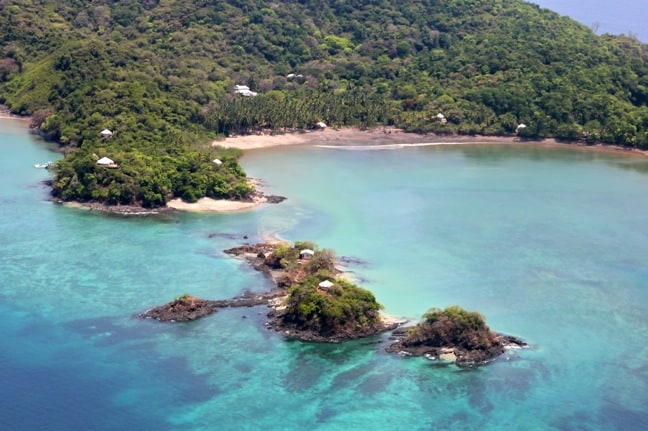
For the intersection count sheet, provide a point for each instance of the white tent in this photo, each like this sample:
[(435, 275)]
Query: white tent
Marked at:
[(105, 161), (217, 162), (326, 284), (105, 133)]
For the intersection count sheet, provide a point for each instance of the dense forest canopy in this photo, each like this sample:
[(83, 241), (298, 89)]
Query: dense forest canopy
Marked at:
[(161, 76)]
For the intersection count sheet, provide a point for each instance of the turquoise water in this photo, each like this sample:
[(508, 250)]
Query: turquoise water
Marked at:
[(550, 244)]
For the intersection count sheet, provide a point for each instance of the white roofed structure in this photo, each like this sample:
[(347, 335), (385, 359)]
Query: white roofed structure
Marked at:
[(244, 90), (306, 253), (326, 284), (105, 161)]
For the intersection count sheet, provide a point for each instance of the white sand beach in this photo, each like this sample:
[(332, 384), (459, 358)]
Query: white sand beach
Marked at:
[(215, 205)]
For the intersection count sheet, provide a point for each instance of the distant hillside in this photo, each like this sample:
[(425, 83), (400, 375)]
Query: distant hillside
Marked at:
[(161, 76)]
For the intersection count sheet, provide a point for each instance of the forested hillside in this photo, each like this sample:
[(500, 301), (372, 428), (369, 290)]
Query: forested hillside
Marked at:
[(161, 76)]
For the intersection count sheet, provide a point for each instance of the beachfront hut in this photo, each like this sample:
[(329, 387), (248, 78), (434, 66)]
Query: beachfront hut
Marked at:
[(217, 162), (105, 133), (321, 125), (306, 254), (520, 127), (325, 285), (105, 161)]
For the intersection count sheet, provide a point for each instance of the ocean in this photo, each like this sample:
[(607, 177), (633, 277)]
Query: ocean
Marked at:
[(614, 17), (550, 244)]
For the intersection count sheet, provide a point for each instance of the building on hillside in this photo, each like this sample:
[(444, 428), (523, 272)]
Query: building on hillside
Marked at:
[(306, 254), (217, 162), (244, 90), (325, 285), (105, 161), (105, 133)]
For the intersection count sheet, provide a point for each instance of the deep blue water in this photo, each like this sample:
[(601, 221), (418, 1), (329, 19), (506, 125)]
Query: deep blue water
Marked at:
[(548, 243), (614, 17)]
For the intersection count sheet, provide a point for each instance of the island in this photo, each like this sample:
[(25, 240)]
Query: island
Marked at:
[(137, 93), (453, 335), (313, 301)]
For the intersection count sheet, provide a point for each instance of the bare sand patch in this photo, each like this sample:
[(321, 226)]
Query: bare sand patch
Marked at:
[(214, 205)]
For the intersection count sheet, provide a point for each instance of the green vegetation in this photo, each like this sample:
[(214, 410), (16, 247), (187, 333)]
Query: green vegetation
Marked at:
[(288, 257), (161, 76), (452, 326), (341, 309)]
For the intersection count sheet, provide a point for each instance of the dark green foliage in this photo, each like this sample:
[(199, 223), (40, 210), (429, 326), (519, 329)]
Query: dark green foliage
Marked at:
[(452, 326), (161, 75), (343, 308), (149, 180)]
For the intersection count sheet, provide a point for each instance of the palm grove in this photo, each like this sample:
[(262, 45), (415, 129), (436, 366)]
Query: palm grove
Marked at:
[(161, 76)]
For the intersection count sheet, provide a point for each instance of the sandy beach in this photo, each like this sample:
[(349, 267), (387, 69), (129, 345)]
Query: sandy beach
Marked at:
[(7, 116), (215, 205), (390, 136), (348, 136), (5, 113)]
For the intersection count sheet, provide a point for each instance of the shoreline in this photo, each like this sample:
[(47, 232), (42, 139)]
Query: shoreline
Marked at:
[(215, 205), (388, 136), (203, 205), (5, 114)]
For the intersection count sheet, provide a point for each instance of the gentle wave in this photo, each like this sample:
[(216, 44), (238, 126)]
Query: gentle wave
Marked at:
[(391, 146)]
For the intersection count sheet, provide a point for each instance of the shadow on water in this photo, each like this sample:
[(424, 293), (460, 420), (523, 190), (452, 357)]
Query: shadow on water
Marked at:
[(91, 374), (136, 339)]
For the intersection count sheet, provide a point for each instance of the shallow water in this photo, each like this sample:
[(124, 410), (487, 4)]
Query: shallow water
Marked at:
[(548, 243)]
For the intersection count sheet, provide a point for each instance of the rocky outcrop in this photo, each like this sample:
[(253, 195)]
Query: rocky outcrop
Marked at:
[(446, 340), (187, 307), (452, 335), (183, 309), (462, 356), (262, 258)]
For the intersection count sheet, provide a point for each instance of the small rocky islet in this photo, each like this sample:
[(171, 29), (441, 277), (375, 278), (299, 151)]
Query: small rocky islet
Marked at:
[(455, 335), (312, 302)]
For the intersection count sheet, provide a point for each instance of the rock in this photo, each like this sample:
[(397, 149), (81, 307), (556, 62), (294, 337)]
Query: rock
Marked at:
[(453, 335), (183, 309), (273, 199)]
